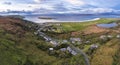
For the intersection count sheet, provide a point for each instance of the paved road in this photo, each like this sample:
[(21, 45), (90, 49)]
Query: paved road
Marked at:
[(81, 53), (73, 48)]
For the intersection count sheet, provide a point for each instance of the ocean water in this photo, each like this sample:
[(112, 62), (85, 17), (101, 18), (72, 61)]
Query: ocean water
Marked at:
[(67, 17)]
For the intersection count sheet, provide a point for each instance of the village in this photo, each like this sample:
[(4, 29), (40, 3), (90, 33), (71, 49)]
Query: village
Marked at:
[(75, 41)]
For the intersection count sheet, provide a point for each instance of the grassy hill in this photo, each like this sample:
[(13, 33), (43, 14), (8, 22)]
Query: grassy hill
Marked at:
[(105, 54), (108, 51), (19, 45)]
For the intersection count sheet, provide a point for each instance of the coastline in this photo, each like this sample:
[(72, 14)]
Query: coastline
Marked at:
[(57, 21)]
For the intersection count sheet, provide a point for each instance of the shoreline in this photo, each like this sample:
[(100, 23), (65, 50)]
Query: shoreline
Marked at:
[(56, 21)]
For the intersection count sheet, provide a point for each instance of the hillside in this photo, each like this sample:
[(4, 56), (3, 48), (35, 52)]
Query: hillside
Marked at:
[(19, 46), (101, 44), (23, 43)]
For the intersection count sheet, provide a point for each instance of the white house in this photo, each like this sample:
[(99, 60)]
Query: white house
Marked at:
[(71, 51), (87, 42), (35, 33), (73, 40), (54, 42), (51, 49), (109, 36), (64, 41), (118, 36), (94, 46), (63, 49), (103, 36)]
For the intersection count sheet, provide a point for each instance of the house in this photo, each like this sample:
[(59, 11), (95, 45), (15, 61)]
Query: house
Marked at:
[(74, 40), (41, 33), (53, 30), (71, 51), (58, 24), (87, 42), (51, 49), (64, 41), (63, 49), (118, 36), (38, 30), (109, 36), (94, 46), (47, 38), (35, 33), (103, 37), (54, 42)]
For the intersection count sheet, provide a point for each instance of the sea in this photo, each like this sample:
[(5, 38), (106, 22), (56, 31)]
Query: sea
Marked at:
[(67, 17)]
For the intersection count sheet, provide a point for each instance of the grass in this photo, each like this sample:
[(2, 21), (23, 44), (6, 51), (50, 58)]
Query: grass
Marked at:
[(86, 48), (22, 51), (104, 55), (77, 26), (116, 57), (26, 49)]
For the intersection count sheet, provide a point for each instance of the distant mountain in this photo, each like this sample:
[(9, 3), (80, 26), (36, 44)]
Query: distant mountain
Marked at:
[(84, 12), (17, 12)]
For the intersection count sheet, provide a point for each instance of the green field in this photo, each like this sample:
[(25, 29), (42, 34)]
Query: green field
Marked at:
[(77, 26)]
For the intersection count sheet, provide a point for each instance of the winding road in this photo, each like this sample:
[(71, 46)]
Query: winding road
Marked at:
[(81, 53), (72, 47)]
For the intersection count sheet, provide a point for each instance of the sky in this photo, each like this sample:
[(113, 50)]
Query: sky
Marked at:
[(60, 6)]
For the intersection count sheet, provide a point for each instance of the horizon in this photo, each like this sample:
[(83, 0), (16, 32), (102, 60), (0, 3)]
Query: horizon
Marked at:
[(59, 7)]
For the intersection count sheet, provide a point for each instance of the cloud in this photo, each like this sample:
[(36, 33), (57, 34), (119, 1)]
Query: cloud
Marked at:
[(76, 2), (7, 3), (103, 3), (37, 1), (97, 10), (88, 11), (61, 6)]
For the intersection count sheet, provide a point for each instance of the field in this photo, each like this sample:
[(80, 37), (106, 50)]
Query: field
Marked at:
[(77, 26)]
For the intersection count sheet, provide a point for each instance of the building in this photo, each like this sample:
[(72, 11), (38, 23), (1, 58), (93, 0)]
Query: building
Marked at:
[(51, 49), (64, 41), (87, 42), (71, 51), (109, 36), (63, 49), (103, 37), (54, 42), (94, 46), (74, 40), (118, 36)]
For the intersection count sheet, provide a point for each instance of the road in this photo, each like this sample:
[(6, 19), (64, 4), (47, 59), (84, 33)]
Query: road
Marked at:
[(81, 53), (72, 47)]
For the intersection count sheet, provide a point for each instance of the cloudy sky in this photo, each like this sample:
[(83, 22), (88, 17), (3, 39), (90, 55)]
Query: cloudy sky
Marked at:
[(60, 6)]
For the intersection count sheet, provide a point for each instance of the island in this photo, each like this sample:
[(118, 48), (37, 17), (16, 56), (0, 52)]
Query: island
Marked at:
[(47, 18)]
